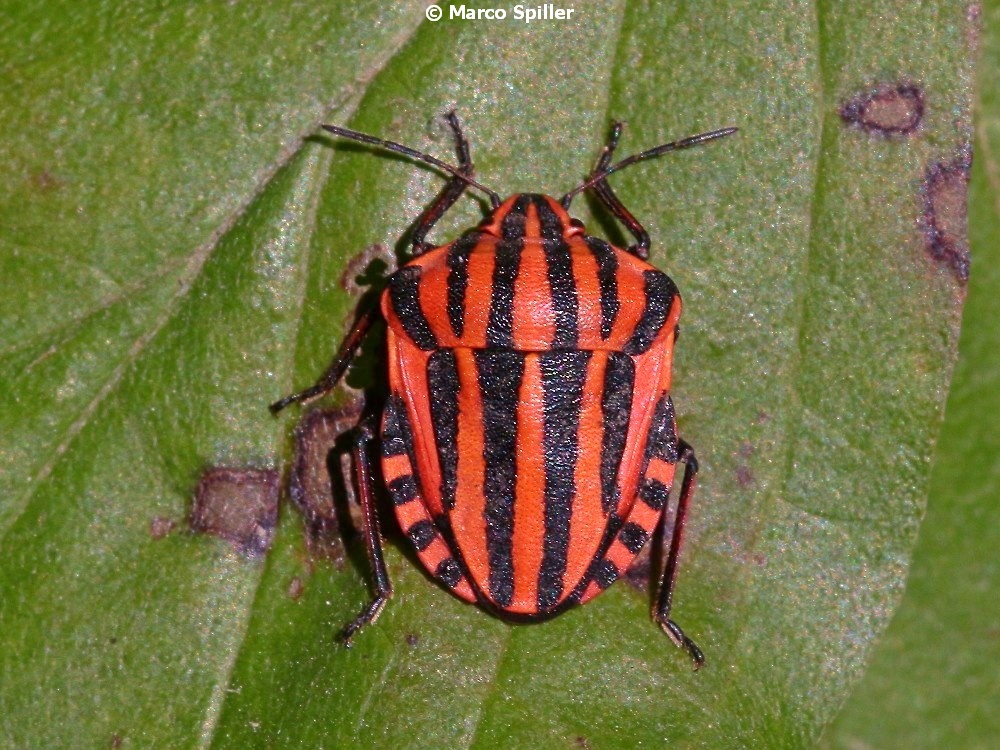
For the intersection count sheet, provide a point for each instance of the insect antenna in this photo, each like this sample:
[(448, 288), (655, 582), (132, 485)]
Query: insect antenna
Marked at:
[(602, 174), (419, 156)]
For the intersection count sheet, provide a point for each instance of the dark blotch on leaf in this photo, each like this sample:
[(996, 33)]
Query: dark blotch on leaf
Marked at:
[(412, 639), (890, 110), (946, 195), (239, 505), (295, 588), (321, 474)]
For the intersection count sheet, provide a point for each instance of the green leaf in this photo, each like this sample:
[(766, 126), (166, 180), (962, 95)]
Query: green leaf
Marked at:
[(178, 242), (933, 681)]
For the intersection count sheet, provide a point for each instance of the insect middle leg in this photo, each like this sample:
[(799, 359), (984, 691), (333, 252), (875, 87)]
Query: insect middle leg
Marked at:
[(364, 436)]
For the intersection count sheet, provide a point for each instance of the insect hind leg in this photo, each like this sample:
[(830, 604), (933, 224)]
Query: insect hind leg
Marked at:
[(661, 612)]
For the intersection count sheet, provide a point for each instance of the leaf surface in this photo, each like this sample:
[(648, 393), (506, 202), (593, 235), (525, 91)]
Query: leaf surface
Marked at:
[(178, 235)]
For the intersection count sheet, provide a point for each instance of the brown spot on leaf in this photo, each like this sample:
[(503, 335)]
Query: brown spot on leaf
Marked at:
[(412, 639), (238, 505), (321, 476), (159, 527), (946, 195), (295, 588), (890, 110)]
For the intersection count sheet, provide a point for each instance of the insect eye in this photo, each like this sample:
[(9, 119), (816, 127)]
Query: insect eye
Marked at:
[(576, 223)]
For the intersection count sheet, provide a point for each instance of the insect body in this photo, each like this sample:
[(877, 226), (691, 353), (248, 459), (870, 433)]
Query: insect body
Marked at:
[(528, 442)]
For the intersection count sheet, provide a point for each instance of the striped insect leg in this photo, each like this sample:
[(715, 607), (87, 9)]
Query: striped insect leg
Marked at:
[(411, 510)]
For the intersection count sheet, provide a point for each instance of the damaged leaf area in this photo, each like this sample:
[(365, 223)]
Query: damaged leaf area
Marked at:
[(321, 486), (238, 505), (186, 248), (891, 110), (945, 219)]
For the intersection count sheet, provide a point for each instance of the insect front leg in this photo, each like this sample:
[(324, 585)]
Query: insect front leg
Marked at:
[(337, 368), (364, 435), (451, 191), (613, 203), (661, 613)]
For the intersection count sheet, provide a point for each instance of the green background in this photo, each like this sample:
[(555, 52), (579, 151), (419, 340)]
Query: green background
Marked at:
[(173, 234)]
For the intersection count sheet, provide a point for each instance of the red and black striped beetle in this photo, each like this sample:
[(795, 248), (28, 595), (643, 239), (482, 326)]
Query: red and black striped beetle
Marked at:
[(528, 439)]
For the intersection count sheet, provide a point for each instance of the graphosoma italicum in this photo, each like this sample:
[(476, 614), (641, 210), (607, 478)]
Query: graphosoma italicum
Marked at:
[(528, 441)]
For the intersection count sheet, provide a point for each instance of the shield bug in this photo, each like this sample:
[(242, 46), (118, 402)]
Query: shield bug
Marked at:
[(528, 441)]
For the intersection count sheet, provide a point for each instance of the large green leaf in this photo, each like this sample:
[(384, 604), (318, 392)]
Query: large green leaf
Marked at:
[(934, 680), (179, 248)]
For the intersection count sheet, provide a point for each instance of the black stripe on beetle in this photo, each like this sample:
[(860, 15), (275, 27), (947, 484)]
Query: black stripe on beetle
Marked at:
[(616, 403), (443, 382), (507, 263), (397, 436), (404, 290), (448, 572), (422, 533), (662, 440), (562, 286), (458, 280), (660, 292), (633, 536), (563, 378), (607, 279), (604, 572), (551, 227), (402, 490), (500, 374), (654, 493), (512, 227)]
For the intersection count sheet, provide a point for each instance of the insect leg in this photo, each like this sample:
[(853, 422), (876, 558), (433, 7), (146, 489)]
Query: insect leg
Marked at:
[(449, 194), (613, 203), (373, 536), (607, 196), (335, 371), (662, 611), (609, 148)]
